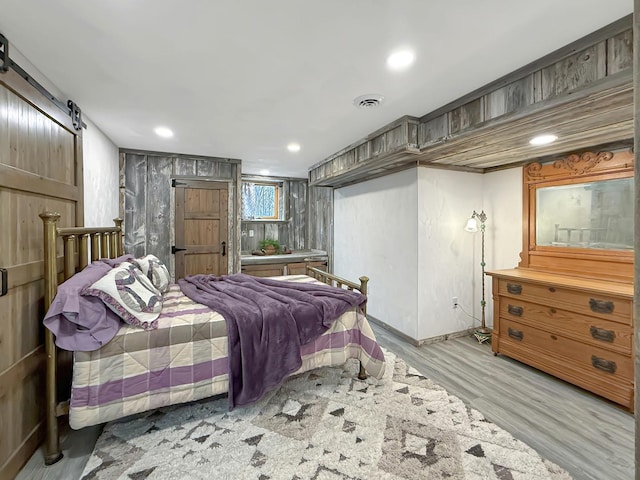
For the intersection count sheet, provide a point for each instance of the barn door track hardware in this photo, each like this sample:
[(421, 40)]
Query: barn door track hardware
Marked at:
[(70, 108), (4, 54)]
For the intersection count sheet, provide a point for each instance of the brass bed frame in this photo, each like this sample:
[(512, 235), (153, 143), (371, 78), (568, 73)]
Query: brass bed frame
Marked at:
[(83, 245)]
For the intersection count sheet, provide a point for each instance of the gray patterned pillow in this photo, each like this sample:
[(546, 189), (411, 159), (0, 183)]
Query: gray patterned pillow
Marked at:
[(130, 294), (155, 270)]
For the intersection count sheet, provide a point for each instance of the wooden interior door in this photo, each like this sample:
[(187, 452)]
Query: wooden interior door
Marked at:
[(201, 228), (40, 169)]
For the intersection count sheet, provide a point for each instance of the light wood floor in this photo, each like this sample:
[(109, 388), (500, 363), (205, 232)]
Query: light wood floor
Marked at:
[(591, 438)]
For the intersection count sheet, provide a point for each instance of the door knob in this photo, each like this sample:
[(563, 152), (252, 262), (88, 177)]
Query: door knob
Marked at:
[(224, 248)]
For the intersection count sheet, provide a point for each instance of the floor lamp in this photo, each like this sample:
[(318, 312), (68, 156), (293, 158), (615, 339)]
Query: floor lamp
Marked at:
[(483, 333)]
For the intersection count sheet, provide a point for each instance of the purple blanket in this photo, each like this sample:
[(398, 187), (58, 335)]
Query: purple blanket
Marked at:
[(267, 322)]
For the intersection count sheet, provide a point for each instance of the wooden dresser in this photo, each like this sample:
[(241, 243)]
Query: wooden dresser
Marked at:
[(578, 329), (568, 307)]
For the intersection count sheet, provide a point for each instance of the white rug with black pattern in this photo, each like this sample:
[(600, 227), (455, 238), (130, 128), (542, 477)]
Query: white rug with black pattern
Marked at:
[(320, 425)]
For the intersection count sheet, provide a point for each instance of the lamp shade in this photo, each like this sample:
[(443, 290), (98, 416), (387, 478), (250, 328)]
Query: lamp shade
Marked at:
[(472, 225)]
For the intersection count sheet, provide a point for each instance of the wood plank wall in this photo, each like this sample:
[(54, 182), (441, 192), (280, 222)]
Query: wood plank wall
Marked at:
[(320, 229), (40, 169), (147, 199), (292, 230), (308, 224)]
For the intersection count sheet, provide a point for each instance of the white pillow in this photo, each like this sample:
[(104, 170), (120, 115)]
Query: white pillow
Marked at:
[(155, 270), (130, 294)]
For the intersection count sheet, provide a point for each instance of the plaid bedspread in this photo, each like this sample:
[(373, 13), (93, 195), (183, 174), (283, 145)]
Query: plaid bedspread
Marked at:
[(185, 359)]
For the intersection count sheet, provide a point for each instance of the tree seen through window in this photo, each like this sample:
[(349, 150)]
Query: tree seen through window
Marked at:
[(260, 200)]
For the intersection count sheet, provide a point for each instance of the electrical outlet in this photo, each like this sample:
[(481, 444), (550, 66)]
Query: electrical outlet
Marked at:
[(454, 301), (251, 233)]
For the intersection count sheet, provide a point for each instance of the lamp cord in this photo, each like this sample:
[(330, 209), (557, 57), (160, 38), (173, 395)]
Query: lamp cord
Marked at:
[(468, 314)]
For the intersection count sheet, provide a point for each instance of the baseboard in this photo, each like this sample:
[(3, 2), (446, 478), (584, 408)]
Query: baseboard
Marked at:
[(424, 341), (396, 332), (446, 336)]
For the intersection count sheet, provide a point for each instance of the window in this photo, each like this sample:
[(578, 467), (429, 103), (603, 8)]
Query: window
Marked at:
[(261, 200)]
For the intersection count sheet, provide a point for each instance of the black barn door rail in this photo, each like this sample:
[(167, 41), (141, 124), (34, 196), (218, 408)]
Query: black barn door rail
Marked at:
[(70, 108)]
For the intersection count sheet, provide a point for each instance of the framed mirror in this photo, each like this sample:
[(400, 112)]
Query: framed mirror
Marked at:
[(597, 214), (578, 215)]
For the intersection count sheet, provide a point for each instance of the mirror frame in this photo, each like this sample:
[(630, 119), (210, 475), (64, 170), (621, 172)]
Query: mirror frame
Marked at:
[(573, 169)]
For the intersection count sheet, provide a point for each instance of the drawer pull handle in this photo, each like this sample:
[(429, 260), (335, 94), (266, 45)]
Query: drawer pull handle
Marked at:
[(514, 288), (602, 334), (600, 306), (604, 365), (552, 289), (517, 334), (515, 310)]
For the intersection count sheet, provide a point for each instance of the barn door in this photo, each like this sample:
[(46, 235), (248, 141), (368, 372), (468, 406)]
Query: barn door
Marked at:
[(40, 169), (201, 227)]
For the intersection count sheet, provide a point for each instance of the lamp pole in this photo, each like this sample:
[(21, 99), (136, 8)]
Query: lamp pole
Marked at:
[(483, 328), (483, 333)]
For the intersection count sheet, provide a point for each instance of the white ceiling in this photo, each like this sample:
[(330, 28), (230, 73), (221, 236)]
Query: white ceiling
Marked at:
[(243, 78)]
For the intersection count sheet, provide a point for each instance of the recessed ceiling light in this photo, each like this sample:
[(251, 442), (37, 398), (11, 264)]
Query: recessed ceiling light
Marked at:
[(293, 147), (400, 60), (163, 132), (543, 139), (264, 172)]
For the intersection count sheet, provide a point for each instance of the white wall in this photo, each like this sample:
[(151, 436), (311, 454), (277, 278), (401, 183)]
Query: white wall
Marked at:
[(101, 174), (376, 234), (503, 204), (408, 232), (100, 157), (448, 257)]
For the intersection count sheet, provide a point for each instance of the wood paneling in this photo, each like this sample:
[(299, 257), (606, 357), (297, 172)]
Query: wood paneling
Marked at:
[(620, 52), (40, 169), (159, 173), (466, 116), (573, 72), (512, 97), (320, 228), (135, 205), (434, 130), (309, 223), (291, 231), (148, 200), (398, 137)]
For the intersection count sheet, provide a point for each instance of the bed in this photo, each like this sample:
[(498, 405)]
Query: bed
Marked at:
[(184, 358)]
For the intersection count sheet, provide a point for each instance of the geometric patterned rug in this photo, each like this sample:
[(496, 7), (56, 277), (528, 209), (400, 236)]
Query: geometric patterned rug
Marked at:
[(320, 425)]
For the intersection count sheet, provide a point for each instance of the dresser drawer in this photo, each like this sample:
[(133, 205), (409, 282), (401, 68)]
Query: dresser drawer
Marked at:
[(584, 328), (601, 363), (616, 389), (602, 306)]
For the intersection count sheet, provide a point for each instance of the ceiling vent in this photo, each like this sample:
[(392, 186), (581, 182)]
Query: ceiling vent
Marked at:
[(371, 100)]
